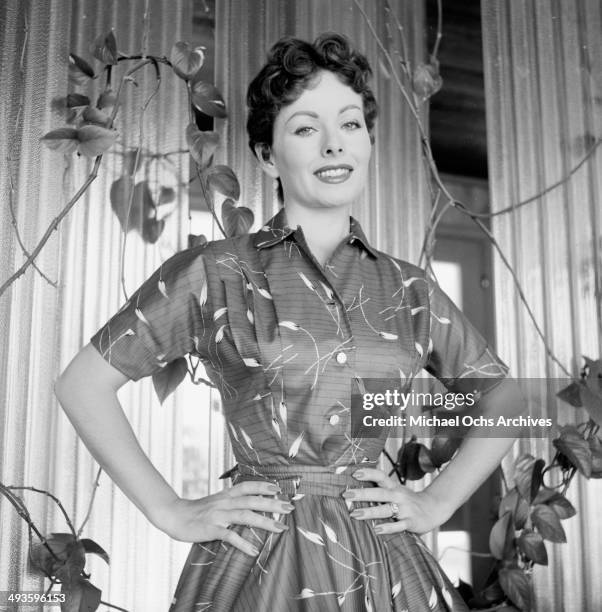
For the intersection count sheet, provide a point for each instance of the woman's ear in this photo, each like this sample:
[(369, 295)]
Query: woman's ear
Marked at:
[(266, 160)]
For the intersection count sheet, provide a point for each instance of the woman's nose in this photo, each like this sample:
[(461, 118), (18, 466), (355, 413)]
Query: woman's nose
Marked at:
[(332, 145)]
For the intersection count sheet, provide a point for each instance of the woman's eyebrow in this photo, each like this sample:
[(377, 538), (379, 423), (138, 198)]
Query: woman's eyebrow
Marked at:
[(316, 116)]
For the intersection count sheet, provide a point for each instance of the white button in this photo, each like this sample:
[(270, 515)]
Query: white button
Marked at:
[(334, 419), (341, 358)]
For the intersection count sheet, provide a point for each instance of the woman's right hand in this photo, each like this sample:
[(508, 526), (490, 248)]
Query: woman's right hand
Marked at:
[(208, 518)]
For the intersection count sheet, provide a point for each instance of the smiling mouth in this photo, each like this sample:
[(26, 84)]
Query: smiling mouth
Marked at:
[(336, 174)]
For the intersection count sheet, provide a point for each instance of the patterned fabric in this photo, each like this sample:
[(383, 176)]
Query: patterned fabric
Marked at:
[(285, 340)]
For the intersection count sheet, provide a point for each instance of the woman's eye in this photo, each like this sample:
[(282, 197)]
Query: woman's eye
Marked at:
[(304, 131), (352, 125)]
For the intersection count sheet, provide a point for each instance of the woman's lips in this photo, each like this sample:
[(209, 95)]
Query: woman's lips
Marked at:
[(333, 174)]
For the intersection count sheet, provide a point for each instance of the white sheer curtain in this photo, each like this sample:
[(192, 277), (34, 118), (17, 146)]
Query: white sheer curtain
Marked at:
[(543, 76), (41, 326)]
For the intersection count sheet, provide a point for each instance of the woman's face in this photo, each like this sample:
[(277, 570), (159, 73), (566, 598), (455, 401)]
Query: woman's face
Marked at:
[(321, 147)]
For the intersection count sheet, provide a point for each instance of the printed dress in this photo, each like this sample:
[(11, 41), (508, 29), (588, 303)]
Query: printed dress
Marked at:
[(286, 340)]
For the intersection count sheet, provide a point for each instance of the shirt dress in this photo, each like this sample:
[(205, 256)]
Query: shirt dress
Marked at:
[(286, 341)]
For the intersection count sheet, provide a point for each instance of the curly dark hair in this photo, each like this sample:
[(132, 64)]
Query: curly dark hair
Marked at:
[(290, 67)]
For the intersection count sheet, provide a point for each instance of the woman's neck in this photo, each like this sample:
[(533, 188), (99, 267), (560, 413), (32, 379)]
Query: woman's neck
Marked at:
[(323, 228)]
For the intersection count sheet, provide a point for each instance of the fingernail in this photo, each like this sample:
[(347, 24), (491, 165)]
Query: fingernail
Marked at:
[(348, 494), (288, 507), (378, 529), (358, 474), (356, 514), (254, 551), (272, 488), (280, 525)]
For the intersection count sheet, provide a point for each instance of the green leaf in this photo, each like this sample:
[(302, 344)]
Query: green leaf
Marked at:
[(237, 219), (193, 241), (166, 196), (186, 62), (92, 548), (94, 116), (517, 505), (81, 596), (408, 459), (443, 449), (63, 140), (104, 48), (517, 587), (501, 537), (167, 379), (207, 99), (531, 544), (426, 80), (106, 101), (119, 195), (575, 448), (202, 145), (94, 140), (222, 179), (561, 506), (73, 558), (424, 460), (79, 70), (527, 475), (152, 229), (571, 395), (75, 100), (595, 446), (546, 521)]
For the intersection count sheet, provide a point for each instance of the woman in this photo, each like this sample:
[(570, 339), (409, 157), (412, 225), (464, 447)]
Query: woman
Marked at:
[(288, 321)]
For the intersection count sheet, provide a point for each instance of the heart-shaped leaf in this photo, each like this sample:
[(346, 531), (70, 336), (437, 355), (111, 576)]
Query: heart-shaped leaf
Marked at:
[(527, 475), (426, 80), (222, 179), (166, 195), (575, 448), (443, 449), (96, 117), (501, 537), (185, 60), (207, 99), (152, 229), (408, 460), (561, 505), (81, 596), (517, 505), (104, 48), (546, 521), (166, 380), (517, 587), (531, 544), (76, 100), (106, 101), (571, 395), (63, 140), (193, 241), (94, 140), (120, 194), (237, 219), (92, 548), (81, 64), (202, 145)]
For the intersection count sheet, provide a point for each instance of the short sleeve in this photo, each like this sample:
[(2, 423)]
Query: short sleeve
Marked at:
[(168, 317), (459, 356)]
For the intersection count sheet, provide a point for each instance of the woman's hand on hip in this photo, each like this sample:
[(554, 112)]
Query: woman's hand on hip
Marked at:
[(208, 518), (406, 510)]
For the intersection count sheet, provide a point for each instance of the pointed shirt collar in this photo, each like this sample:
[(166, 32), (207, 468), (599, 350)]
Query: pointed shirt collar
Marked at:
[(276, 230)]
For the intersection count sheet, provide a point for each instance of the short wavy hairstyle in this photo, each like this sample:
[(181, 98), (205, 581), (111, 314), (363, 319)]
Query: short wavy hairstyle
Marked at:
[(291, 66)]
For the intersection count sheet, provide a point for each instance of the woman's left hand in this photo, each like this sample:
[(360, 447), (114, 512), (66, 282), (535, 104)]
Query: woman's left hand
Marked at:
[(418, 512)]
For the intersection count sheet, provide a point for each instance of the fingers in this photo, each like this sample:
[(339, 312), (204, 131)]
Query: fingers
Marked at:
[(395, 527), (373, 494), (231, 537), (253, 487), (377, 476), (252, 519), (382, 511), (260, 504)]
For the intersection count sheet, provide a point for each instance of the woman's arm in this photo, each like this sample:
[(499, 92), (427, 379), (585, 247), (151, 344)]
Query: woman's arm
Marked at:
[(475, 460), (87, 391)]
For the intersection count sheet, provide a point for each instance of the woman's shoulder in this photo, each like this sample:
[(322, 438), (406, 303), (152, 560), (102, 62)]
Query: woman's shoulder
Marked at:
[(405, 268)]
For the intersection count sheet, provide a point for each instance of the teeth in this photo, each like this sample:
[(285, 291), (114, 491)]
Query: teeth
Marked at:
[(334, 172)]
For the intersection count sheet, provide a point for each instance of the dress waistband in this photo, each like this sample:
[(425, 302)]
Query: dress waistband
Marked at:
[(305, 479)]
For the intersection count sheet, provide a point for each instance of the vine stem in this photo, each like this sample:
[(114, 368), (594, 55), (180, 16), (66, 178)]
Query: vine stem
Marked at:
[(439, 30), (89, 512), (104, 603), (53, 226)]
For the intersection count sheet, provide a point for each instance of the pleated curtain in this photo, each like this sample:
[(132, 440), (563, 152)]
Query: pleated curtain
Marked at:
[(43, 326), (543, 78)]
